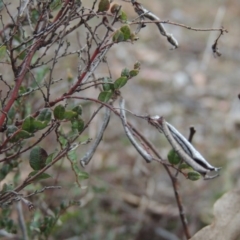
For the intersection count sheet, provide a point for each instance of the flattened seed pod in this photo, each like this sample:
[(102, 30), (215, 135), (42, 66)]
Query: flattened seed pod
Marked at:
[(183, 147)]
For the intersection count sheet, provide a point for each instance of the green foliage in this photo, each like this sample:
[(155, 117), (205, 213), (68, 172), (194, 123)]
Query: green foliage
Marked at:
[(20, 135), (6, 168), (31, 125), (123, 16), (72, 155), (55, 5), (11, 129), (45, 115), (118, 36), (70, 115), (3, 50), (108, 84), (103, 6), (78, 109), (59, 112), (105, 96), (125, 73), (120, 82), (133, 73), (194, 176), (6, 222), (126, 32), (173, 157), (77, 124), (37, 158), (42, 176)]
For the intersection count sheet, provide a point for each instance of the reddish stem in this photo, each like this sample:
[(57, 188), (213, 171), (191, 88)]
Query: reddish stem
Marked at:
[(18, 81)]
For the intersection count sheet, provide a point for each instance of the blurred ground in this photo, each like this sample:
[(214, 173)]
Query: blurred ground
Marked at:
[(189, 87), (127, 198)]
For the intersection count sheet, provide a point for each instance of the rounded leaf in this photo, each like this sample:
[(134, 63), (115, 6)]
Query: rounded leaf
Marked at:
[(103, 5), (3, 51), (45, 115), (40, 177), (125, 73), (105, 96), (194, 176), (58, 112), (78, 124), (38, 157), (118, 36), (69, 115), (108, 84), (28, 124), (38, 125), (78, 109), (184, 166), (21, 135), (123, 16), (126, 32), (134, 73), (173, 158), (120, 82), (10, 130)]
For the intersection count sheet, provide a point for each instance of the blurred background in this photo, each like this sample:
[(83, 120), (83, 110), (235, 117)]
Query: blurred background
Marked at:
[(125, 198)]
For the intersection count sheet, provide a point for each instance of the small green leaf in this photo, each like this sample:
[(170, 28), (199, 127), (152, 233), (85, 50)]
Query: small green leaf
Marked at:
[(10, 130), (50, 158), (55, 5), (21, 135), (105, 96), (173, 158), (28, 124), (123, 16), (78, 109), (134, 72), (7, 187), (40, 177), (126, 32), (3, 51), (82, 175), (77, 124), (194, 176), (58, 112), (103, 6), (63, 140), (120, 82), (34, 15), (108, 85), (39, 125), (184, 166), (45, 115), (118, 36), (37, 159), (5, 169), (125, 73), (72, 155), (69, 115)]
